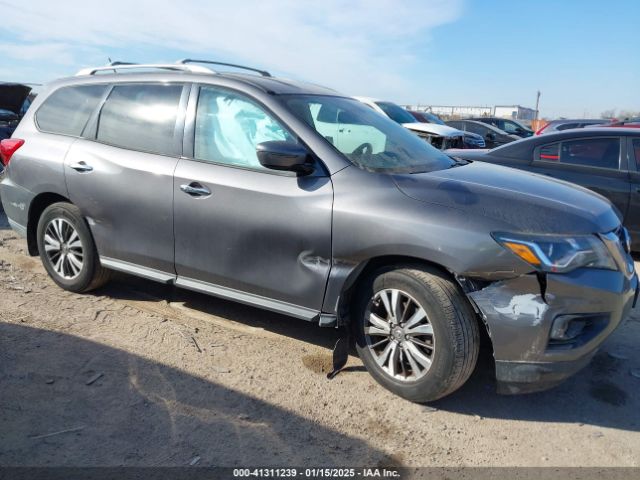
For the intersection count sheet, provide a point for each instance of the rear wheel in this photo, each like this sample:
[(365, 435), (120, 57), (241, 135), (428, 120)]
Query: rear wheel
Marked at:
[(416, 332), (67, 250)]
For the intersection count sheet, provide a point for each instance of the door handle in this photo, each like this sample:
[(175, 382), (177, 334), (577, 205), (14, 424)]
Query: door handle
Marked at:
[(195, 189), (81, 167)]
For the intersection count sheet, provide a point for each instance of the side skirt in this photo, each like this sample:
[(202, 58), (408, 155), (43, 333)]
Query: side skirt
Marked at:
[(277, 306)]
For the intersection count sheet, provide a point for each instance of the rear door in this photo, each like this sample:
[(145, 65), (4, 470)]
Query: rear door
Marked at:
[(597, 163), (121, 176), (242, 231)]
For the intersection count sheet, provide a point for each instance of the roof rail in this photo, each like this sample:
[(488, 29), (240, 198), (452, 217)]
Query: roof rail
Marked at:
[(184, 61), (114, 66)]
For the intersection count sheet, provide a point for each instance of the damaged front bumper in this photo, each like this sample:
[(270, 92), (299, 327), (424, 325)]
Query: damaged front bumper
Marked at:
[(542, 334)]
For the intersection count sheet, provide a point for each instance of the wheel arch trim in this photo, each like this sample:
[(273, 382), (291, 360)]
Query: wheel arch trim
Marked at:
[(38, 205)]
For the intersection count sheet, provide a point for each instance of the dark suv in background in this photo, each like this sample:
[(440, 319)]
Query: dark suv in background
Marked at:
[(493, 136), (14, 102), (509, 126), (234, 185)]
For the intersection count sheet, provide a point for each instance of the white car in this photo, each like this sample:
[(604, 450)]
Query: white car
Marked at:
[(440, 136)]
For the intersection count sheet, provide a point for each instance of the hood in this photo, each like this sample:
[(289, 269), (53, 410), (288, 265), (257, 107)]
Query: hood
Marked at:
[(525, 201), (12, 96), (442, 130)]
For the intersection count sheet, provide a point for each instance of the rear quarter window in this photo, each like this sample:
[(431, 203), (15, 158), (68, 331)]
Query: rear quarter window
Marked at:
[(67, 110), (549, 153)]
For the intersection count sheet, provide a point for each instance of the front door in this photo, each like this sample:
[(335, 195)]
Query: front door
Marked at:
[(242, 231)]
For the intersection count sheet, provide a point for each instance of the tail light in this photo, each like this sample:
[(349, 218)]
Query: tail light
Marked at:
[(8, 147), (539, 131)]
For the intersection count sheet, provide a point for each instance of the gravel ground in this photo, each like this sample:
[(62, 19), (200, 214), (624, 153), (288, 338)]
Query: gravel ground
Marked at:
[(142, 374)]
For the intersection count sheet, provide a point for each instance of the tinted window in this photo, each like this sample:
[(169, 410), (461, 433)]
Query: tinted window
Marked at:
[(229, 126), (510, 127), (431, 118), (477, 129), (141, 117), (368, 139), (636, 151), (68, 109), (396, 112), (458, 125), (592, 152), (567, 126), (549, 153)]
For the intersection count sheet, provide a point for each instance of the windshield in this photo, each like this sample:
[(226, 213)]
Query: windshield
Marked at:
[(511, 126), (396, 112), (368, 139), (432, 118)]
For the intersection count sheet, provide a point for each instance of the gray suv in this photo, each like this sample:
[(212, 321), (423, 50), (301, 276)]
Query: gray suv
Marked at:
[(293, 198)]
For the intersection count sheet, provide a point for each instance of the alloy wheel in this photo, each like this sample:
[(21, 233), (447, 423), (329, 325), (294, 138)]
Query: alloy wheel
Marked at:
[(63, 248), (399, 335)]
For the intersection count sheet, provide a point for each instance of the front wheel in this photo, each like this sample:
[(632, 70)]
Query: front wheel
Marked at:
[(416, 332), (67, 250)]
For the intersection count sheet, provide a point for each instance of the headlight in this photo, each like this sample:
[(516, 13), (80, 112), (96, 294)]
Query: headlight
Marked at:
[(558, 254)]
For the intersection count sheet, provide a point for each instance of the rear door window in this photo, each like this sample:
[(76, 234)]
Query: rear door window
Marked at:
[(592, 152), (477, 129), (67, 110), (587, 152), (141, 117)]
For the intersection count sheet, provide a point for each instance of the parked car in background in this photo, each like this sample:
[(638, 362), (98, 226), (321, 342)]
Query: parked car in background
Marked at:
[(292, 198), (14, 101), (565, 124), (510, 126), (440, 136), (493, 136), (628, 123), (605, 160), (470, 140)]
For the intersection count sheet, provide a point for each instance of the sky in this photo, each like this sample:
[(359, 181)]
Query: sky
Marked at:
[(581, 54)]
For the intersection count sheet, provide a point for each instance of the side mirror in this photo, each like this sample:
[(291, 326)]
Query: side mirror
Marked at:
[(287, 156), (519, 130)]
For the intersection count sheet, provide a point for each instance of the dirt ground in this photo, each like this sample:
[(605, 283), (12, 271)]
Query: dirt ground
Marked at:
[(142, 374)]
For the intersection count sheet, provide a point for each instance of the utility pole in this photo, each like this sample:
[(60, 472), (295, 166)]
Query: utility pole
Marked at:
[(537, 103)]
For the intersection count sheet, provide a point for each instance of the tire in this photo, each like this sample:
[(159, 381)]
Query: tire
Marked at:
[(79, 269), (452, 347)]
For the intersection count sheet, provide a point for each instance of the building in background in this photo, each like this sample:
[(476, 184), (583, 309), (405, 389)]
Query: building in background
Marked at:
[(514, 112), (453, 111)]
